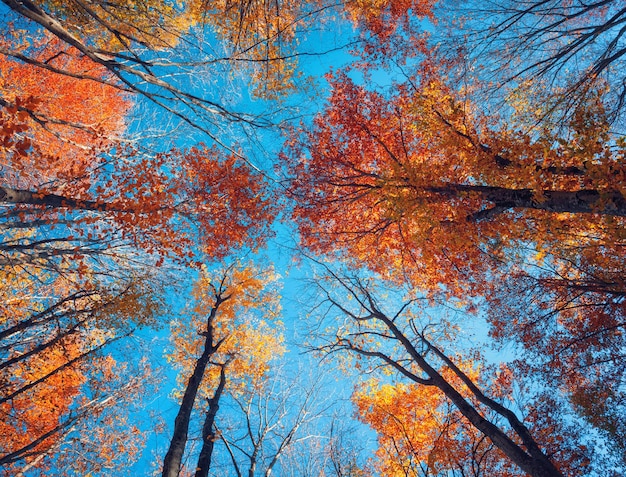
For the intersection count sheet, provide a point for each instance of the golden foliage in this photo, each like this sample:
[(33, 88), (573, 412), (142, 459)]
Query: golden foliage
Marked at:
[(247, 322), (420, 433)]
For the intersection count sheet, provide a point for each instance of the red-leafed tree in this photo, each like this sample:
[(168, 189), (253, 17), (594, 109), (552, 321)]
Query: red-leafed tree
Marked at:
[(421, 180), (161, 203), (420, 185)]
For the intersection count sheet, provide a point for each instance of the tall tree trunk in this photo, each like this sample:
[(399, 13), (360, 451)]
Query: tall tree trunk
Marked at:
[(21, 196), (208, 433), (173, 459), (531, 460)]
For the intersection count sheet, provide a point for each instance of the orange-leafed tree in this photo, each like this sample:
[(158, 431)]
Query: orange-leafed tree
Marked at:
[(397, 334), (91, 435), (55, 374), (419, 184), (64, 119), (106, 437), (421, 434), (224, 345)]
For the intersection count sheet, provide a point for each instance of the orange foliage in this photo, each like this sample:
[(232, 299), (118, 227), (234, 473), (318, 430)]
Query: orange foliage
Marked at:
[(54, 377), (169, 202), (32, 414), (108, 437), (420, 434), (384, 17), (64, 119)]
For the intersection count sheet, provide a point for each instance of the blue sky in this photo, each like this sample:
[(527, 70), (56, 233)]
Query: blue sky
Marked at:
[(262, 150)]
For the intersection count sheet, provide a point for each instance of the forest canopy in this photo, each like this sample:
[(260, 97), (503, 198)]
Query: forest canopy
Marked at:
[(366, 238)]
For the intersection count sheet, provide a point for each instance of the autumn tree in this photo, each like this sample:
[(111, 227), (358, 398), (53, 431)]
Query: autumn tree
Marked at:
[(98, 436), (394, 337), (231, 335), (52, 134), (420, 185), (426, 181), (79, 194), (143, 200), (56, 375), (135, 43), (420, 433), (60, 394)]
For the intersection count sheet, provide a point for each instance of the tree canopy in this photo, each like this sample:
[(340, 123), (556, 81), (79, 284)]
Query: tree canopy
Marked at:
[(438, 189)]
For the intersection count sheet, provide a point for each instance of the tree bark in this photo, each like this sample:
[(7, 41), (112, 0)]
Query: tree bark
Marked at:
[(585, 201), (27, 197), (173, 459), (208, 433)]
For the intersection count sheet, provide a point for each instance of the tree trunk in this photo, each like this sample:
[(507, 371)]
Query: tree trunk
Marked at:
[(585, 201), (173, 459), (533, 461), (208, 433), (21, 196)]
